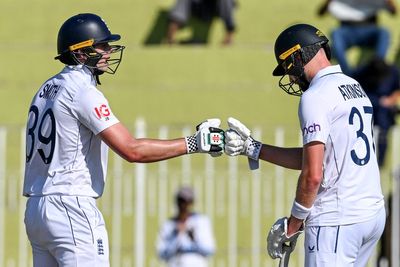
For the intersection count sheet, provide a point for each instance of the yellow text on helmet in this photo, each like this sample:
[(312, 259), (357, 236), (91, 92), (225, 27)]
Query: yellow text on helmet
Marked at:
[(81, 45), (288, 52)]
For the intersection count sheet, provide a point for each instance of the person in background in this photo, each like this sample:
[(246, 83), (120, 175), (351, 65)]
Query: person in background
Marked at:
[(205, 10), (358, 27), (187, 238), (381, 82)]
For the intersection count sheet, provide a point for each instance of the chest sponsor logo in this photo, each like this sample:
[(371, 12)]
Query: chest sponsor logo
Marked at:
[(102, 112), (311, 129)]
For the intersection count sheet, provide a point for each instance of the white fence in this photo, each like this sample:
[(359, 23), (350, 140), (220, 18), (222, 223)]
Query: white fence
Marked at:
[(242, 204)]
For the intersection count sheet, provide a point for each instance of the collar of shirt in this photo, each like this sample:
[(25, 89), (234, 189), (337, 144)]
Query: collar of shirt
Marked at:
[(84, 71), (325, 71)]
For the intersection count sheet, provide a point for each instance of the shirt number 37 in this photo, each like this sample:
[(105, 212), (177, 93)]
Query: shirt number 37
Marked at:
[(356, 114)]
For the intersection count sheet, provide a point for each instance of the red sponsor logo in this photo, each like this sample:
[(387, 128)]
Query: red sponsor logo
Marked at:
[(215, 138), (102, 112)]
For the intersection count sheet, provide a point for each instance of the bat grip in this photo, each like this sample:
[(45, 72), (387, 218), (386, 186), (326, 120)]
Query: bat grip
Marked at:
[(284, 261)]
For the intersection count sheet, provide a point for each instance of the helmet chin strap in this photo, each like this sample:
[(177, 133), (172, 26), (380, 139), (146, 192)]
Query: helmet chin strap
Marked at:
[(97, 73), (303, 83), (91, 62)]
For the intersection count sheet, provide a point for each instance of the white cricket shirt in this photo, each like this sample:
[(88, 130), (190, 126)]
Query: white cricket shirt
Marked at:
[(336, 111), (64, 155)]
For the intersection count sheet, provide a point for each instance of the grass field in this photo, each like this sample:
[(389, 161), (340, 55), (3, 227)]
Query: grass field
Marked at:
[(176, 86)]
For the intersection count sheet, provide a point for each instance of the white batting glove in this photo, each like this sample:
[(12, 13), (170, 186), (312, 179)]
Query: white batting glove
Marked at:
[(209, 138), (278, 242), (238, 141)]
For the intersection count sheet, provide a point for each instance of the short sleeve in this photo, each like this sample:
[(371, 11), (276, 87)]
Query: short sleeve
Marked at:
[(93, 110), (314, 119)]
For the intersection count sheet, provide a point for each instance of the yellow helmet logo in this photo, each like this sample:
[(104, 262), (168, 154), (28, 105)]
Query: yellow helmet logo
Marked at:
[(319, 33)]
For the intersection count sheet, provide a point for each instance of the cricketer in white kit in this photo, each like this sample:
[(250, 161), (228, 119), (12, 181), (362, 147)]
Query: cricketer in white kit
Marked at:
[(67, 162), (348, 210), (339, 203), (69, 129)]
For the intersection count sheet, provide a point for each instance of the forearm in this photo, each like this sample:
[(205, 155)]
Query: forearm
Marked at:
[(144, 150), (308, 184), (305, 197), (307, 190), (141, 150), (286, 157), (167, 248), (311, 173), (202, 250)]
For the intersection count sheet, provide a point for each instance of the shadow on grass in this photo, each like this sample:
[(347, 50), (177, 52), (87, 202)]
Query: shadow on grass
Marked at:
[(157, 32)]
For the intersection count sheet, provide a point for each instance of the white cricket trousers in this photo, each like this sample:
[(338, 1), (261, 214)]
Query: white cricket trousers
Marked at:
[(66, 231), (345, 245)]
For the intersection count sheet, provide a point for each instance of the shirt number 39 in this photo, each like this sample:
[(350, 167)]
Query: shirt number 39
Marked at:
[(41, 134), (356, 114)]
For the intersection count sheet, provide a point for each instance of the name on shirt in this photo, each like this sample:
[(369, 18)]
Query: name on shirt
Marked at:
[(351, 91), (49, 91)]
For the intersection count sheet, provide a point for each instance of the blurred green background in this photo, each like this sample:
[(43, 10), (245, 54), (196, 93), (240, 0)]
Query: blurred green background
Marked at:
[(175, 85), (180, 84)]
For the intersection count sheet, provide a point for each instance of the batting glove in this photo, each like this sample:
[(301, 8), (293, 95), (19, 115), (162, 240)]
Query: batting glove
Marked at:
[(278, 242), (238, 141), (209, 138)]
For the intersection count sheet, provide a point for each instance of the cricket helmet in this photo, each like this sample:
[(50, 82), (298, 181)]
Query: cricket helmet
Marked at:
[(294, 48), (80, 34)]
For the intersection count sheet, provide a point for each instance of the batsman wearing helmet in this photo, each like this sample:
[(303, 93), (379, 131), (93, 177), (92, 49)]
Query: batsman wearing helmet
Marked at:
[(70, 126), (339, 203)]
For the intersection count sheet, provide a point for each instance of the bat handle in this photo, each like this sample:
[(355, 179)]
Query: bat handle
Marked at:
[(284, 261)]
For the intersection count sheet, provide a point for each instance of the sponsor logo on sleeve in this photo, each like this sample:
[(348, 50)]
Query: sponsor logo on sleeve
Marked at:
[(311, 129), (100, 247), (102, 112)]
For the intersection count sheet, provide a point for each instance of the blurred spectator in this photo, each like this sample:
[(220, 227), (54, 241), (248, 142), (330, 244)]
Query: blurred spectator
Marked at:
[(204, 10), (358, 27), (186, 240), (381, 82)]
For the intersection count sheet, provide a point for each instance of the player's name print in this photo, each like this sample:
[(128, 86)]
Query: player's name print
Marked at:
[(49, 91), (351, 91)]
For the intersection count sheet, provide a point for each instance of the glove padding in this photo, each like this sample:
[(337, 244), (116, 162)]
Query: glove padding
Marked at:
[(238, 141), (278, 242), (209, 138)]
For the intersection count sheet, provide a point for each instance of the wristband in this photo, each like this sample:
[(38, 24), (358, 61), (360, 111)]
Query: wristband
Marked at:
[(299, 211), (253, 148), (191, 144)]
